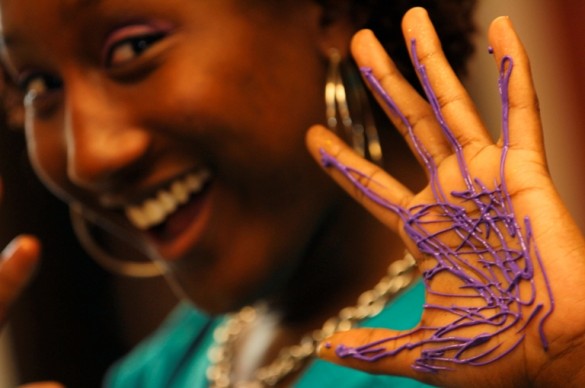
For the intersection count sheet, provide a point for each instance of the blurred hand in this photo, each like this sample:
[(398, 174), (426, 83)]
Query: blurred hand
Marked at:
[(17, 263), (502, 259)]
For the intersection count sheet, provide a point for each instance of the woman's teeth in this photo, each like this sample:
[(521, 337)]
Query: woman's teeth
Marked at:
[(154, 211)]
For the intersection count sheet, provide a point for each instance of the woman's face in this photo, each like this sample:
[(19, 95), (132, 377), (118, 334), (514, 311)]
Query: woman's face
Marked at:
[(182, 122)]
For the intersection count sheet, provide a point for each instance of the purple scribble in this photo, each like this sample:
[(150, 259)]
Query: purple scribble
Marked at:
[(475, 239)]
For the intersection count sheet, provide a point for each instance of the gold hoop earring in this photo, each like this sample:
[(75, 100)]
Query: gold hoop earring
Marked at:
[(86, 231), (359, 128)]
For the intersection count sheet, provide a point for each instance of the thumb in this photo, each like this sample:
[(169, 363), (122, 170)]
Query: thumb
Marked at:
[(375, 351), (17, 264)]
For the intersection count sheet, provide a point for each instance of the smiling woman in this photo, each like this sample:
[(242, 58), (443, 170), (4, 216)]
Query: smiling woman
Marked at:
[(178, 129)]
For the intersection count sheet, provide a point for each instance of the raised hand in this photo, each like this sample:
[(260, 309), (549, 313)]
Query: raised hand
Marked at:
[(17, 263), (502, 260)]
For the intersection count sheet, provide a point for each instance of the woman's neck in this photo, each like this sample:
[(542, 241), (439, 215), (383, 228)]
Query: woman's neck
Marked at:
[(350, 258)]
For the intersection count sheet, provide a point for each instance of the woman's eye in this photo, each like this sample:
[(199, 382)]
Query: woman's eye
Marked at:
[(128, 49), (36, 86)]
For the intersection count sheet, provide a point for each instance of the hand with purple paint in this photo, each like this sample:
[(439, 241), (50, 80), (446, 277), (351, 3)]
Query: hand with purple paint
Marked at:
[(502, 260)]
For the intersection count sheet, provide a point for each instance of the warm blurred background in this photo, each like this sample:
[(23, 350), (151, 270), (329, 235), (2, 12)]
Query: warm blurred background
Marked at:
[(76, 319)]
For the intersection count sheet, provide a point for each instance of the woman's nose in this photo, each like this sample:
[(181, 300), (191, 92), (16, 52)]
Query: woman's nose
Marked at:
[(102, 145)]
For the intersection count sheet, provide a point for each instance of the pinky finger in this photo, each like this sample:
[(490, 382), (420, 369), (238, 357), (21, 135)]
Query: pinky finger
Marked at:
[(523, 119)]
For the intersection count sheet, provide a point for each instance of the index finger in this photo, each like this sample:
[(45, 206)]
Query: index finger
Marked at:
[(17, 263)]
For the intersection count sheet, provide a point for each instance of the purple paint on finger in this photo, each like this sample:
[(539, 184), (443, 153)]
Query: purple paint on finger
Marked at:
[(476, 241)]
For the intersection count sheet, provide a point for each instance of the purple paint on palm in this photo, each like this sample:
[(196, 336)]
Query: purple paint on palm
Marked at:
[(476, 241)]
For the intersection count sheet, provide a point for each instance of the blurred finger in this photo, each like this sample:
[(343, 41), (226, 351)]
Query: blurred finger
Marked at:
[(44, 384), (18, 261)]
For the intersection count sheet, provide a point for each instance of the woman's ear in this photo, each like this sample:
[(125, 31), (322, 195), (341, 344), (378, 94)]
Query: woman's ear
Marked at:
[(338, 23)]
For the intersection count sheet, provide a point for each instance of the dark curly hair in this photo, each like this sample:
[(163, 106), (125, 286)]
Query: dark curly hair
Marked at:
[(453, 20)]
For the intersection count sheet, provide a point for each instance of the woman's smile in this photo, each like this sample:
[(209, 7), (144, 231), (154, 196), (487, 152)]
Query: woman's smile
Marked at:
[(168, 216), (173, 218), (155, 210)]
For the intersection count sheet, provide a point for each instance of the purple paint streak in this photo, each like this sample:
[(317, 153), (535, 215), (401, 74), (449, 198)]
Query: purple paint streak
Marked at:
[(493, 260)]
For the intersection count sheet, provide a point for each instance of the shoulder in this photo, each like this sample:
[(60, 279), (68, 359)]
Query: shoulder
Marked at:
[(155, 361)]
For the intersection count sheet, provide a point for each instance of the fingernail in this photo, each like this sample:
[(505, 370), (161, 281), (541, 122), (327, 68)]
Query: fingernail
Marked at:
[(10, 249), (323, 346)]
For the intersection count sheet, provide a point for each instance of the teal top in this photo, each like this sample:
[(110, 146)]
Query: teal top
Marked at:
[(176, 355)]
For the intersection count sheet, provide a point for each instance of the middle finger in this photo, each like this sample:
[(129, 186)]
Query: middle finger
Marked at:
[(452, 106), (408, 111)]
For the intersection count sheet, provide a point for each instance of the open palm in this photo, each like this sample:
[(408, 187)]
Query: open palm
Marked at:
[(501, 258)]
